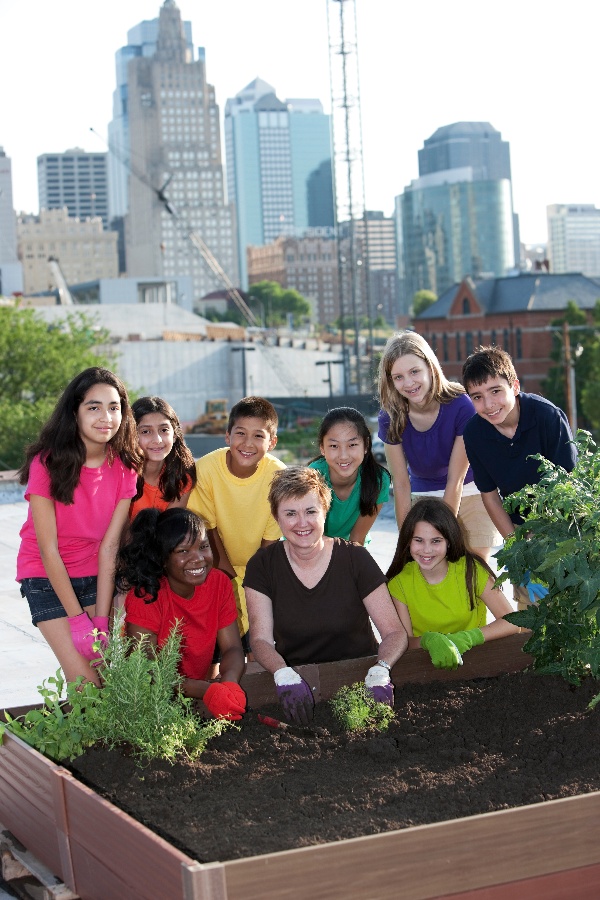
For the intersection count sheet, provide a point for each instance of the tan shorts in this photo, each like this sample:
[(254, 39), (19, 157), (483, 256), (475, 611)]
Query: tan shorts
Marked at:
[(481, 531)]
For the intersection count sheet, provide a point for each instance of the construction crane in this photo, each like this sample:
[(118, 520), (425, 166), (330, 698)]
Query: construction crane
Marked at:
[(65, 298)]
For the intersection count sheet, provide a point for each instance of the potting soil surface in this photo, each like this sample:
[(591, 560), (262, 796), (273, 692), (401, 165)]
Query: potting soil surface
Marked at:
[(453, 750)]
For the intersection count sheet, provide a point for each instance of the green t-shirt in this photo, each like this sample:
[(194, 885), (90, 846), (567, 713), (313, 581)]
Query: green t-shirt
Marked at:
[(443, 607), (343, 514)]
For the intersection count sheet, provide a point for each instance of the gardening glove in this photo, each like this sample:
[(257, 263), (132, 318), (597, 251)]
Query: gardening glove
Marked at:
[(465, 640), (443, 652), (225, 700), (82, 632), (535, 590), (101, 624), (295, 696), (379, 684)]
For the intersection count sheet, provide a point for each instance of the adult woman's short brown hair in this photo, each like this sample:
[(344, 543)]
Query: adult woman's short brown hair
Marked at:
[(298, 481)]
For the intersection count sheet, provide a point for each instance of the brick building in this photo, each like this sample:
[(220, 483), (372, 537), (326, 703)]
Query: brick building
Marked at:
[(513, 312)]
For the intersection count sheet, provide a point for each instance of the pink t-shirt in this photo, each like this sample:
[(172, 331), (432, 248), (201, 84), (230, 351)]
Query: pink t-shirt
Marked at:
[(80, 525), (211, 608)]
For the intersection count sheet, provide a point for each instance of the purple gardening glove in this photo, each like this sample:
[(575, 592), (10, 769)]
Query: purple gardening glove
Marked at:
[(295, 696), (379, 684), (82, 632), (101, 624)]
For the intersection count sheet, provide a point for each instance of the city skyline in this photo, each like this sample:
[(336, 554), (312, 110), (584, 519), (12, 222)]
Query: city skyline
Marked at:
[(421, 68)]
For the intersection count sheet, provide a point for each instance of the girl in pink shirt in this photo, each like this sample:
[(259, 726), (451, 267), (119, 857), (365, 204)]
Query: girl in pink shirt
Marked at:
[(81, 475)]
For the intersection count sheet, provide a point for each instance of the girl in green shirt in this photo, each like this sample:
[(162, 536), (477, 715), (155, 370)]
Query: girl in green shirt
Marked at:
[(359, 485)]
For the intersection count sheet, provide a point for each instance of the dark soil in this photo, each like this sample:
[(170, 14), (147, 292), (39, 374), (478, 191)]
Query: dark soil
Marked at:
[(455, 749)]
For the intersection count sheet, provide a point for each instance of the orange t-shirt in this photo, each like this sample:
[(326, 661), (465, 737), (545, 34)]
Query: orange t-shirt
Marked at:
[(152, 498)]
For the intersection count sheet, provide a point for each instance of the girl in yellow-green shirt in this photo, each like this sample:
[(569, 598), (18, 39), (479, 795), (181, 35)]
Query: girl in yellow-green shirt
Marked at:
[(443, 590)]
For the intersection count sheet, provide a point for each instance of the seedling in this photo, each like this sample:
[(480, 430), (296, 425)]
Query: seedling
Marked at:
[(559, 545), (356, 710)]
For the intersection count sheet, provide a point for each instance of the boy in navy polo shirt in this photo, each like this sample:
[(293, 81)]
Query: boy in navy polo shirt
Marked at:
[(509, 427)]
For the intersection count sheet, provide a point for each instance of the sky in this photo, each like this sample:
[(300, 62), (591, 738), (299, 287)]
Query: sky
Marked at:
[(529, 69)]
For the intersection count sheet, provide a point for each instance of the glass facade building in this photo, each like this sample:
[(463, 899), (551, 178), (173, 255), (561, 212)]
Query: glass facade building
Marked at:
[(574, 239)]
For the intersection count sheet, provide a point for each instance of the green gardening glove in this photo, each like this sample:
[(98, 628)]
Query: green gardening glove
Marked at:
[(464, 640), (443, 652)]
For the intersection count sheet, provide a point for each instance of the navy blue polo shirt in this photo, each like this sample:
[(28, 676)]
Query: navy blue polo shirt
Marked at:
[(502, 462)]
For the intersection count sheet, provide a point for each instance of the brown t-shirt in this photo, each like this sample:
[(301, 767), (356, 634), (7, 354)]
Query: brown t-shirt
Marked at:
[(324, 623)]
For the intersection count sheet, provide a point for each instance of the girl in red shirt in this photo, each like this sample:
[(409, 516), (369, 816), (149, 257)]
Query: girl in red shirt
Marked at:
[(167, 568)]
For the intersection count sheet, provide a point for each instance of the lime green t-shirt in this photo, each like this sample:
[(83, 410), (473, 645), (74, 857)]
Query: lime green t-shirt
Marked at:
[(443, 607), (343, 514)]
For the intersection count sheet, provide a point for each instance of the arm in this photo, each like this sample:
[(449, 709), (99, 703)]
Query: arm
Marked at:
[(499, 606), (396, 461), (232, 656), (457, 469), (44, 522), (137, 633), (260, 614), (220, 554), (382, 611), (497, 513), (107, 556), (403, 613), (363, 525)]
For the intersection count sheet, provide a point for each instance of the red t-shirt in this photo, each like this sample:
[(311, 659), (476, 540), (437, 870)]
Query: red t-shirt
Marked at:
[(211, 608), (152, 498)]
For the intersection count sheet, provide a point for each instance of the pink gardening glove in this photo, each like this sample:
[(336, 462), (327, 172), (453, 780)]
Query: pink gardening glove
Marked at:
[(82, 632)]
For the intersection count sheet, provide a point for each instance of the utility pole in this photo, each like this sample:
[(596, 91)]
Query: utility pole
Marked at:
[(329, 363)]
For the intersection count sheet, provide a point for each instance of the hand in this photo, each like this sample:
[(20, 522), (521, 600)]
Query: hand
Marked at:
[(225, 700), (378, 683), (535, 590), (100, 623), (82, 632), (295, 696), (443, 652), (465, 640)]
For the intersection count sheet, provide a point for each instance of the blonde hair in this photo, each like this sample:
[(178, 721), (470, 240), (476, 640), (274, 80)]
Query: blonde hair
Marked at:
[(442, 391), (298, 481)]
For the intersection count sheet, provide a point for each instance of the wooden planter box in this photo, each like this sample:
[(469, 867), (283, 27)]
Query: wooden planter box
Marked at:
[(548, 850)]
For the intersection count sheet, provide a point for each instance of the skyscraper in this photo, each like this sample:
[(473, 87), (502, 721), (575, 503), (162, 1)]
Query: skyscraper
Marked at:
[(77, 180), (279, 171), (173, 158), (457, 218), (574, 238), (11, 272)]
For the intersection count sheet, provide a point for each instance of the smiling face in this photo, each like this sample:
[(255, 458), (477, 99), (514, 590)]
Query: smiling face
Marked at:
[(248, 442), (99, 416), (302, 520), (428, 548), (412, 379), (496, 401), (344, 451), (155, 436), (188, 565)]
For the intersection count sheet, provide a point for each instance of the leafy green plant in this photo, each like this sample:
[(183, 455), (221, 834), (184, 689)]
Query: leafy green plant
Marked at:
[(356, 710), (64, 726), (559, 545)]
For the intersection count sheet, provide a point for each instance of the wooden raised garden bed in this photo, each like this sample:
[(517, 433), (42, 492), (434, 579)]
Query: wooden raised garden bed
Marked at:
[(548, 850)]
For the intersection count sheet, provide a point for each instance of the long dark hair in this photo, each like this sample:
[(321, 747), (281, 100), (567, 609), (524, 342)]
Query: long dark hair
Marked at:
[(60, 445), (152, 537), (371, 473), (179, 465), (437, 513)]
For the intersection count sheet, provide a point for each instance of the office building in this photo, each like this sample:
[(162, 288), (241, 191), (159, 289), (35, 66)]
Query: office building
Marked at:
[(76, 180), (574, 239), (457, 216), (176, 213), (379, 248), (11, 272), (279, 172)]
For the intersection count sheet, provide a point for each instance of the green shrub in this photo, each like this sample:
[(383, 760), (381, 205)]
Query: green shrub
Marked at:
[(356, 710)]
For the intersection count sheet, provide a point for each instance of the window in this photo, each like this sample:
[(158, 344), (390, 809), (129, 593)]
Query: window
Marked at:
[(468, 343), (493, 337), (519, 336), (458, 353), (480, 338), (445, 345), (466, 306), (506, 340)]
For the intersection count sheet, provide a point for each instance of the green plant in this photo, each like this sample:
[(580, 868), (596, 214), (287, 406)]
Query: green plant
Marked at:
[(559, 545), (355, 709), (63, 727)]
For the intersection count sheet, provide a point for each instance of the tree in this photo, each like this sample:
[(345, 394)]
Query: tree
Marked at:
[(584, 351), (590, 392), (275, 303), (37, 361), (422, 300)]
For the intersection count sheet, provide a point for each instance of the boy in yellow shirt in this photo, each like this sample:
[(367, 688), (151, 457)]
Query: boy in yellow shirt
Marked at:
[(231, 493)]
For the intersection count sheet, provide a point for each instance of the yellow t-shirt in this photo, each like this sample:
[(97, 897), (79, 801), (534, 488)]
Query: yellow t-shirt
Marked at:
[(443, 607), (239, 510)]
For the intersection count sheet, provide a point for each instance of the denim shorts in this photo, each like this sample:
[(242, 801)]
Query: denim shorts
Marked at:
[(44, 603)]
